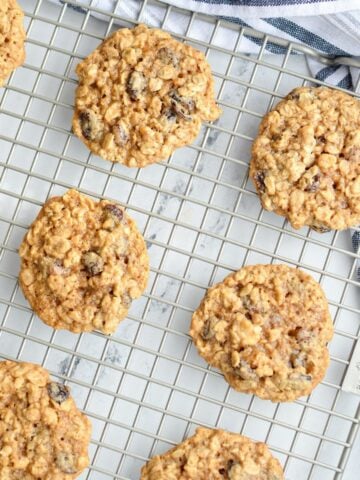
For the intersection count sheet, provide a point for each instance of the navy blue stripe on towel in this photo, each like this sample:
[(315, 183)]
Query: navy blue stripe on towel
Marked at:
[(326, 72), (346, 82), (270, 47), (305, 36)]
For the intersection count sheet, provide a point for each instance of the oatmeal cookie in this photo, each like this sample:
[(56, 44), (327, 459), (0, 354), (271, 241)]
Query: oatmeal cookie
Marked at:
[(82, 263), (216, 455), (141, 95), (12, 38), (266, 327), (43, 436), (306, 159)]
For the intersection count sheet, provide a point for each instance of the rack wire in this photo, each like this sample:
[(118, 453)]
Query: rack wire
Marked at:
[(145, 388)]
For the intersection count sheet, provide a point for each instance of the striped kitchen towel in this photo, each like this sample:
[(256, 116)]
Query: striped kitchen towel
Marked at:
[(330, 26)]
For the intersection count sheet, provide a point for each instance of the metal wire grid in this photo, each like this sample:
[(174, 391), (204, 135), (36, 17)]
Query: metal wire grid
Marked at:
[(145, 388)]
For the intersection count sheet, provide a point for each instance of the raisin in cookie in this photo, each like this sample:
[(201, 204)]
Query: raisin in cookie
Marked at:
[(306, 159), (266, 328), (82, 263), (12, 38), (43, 436), (215, 455), (141, 95)]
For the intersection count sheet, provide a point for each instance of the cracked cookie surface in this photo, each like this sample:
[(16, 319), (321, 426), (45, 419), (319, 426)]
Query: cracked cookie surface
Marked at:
[(306, 159), (266, 327), (42, 433), (82, 263), (141, 95), (216, 455), (12, 38)]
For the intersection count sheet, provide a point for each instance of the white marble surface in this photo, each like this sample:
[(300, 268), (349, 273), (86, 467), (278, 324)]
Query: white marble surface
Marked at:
[(189, 222)]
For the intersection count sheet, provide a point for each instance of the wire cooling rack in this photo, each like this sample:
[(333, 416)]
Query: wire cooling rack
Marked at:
[(145, 388)]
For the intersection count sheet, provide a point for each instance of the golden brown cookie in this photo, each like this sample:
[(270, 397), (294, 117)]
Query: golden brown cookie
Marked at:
[(82, 263), (12, 38), (306, 159), (266, 327), (214, 455), (141, 95), (43, 436)]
